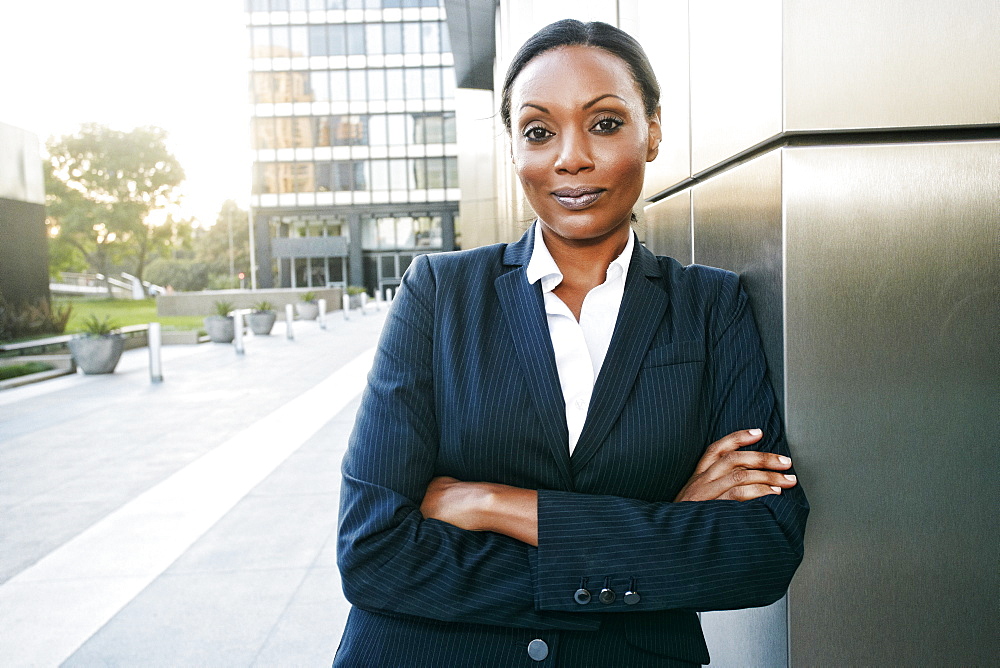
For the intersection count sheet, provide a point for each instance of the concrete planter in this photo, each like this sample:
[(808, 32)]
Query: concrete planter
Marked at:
[(221, 329), (307, 310), (261, 322), (97, 354)]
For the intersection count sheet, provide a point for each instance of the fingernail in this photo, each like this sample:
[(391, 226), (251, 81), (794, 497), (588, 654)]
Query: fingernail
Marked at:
[(785, 461), (754, 432), (777, 490), (789, 477)]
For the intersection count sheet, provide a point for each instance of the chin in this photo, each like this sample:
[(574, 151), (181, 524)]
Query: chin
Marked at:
[(578, 227)]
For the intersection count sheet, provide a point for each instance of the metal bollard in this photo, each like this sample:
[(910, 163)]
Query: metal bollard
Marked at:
[(388, 295), (289, 316), (364, 302), (238, 330), (322, 314), (378, 300), (346, 301), (155, 341)]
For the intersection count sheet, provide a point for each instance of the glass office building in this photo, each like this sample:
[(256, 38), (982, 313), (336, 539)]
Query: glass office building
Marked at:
[(353, 134)]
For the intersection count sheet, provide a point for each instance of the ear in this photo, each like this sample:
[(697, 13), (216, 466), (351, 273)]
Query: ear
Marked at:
[(655, 136)]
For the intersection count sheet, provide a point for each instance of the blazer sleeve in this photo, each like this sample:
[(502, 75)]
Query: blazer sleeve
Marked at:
[(707, 555), (391, 559)]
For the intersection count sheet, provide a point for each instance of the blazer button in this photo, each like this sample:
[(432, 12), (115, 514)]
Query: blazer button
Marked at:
[(582, 596), (607, 596), (538, 650), (631, 597)]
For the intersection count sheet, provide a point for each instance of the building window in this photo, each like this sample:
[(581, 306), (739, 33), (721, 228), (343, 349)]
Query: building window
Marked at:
[(414, 83), (394, 85), (393, 38), (284, 177), (338, 86), (434, 128), (343, 175), (270, 87), (401, 232)]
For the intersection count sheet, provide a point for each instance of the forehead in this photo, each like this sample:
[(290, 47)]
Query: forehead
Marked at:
[(574, 74)]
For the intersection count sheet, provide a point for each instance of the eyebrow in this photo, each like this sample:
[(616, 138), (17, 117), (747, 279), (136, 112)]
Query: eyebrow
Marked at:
[(586, 106)]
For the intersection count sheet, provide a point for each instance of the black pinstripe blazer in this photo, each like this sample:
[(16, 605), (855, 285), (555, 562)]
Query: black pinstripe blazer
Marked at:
[(464, 384)]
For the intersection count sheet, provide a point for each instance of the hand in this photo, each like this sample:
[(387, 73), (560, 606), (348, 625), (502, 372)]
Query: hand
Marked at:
[(728, 473), (454, 502), (483, 506)]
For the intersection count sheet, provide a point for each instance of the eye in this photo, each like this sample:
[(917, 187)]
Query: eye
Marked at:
[(537, 133), (607, 125)]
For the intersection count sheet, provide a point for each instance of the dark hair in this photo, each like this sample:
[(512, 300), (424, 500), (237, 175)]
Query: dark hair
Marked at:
[(570, 32)]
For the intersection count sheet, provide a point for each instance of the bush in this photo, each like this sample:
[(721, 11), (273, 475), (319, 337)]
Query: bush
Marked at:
[(222, 282), (16, 370), (183, 275), (22, 320), (223, 308), (94, 326)]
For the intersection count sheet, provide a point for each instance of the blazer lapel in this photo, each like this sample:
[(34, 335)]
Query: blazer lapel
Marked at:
[(642, 309), (524, 311)]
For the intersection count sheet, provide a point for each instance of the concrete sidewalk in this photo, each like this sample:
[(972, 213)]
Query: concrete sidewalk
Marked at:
[(188, 523)]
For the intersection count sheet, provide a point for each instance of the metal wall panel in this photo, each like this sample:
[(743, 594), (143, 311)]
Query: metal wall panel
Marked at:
[(666, 227), (735, 77), (737, 226), (663, 33), (892, 367), (893, 63)]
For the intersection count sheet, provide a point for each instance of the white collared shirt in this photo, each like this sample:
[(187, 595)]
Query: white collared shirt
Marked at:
[(580, 347)]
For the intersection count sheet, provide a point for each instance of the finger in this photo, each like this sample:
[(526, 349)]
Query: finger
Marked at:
[(727, 487), (748, 459), (749, 492), (743, 477), (727, 444)]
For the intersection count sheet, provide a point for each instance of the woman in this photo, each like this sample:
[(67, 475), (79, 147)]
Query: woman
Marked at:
[(546, 467)]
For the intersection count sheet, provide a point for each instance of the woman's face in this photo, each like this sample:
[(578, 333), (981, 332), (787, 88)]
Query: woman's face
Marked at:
[(580, 141)]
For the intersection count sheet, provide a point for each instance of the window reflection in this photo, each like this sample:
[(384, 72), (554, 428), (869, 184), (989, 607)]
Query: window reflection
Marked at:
[(332, 80), (401, 232), (353, 130)]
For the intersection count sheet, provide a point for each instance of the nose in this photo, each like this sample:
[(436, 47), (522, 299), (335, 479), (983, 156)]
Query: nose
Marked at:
[(574, 153)]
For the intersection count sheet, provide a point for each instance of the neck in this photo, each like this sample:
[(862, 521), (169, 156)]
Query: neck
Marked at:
[(584, 262)]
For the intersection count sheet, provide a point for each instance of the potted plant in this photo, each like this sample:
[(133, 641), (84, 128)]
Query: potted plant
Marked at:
[(262, 318), (220, 327), (307, 308), (98, 348), (355, 293)]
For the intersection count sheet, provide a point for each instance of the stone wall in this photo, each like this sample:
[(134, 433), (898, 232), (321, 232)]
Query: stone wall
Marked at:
[(203, 303)]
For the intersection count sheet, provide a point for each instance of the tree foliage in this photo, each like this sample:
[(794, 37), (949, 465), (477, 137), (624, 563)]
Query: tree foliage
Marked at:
[(212, 246), (101, 185), (205, 260)]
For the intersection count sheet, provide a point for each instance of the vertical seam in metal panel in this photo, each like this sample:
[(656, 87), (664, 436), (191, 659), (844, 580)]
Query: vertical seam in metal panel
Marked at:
[(784, 292), (784, 358), (690, 135), (691, 220), (690, 109)]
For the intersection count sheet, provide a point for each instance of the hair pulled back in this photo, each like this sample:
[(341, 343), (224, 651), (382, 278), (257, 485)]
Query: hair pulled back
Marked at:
[(570, 32)]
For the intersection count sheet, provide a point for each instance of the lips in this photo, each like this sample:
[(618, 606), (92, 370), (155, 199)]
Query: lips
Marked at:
[(577, 198)]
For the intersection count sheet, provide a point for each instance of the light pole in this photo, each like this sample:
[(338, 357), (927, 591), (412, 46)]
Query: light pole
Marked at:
[(232, 257)]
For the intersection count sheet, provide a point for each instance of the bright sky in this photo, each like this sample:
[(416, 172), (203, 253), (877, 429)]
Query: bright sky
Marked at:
[(177, 64)]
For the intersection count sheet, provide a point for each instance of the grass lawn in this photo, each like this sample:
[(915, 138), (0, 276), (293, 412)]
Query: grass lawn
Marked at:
[(123, 312)]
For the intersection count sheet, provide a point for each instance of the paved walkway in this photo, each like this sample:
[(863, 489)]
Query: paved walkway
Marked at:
[(187, 523)]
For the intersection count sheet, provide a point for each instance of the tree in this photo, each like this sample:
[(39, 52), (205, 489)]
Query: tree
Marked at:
[(207, 265), (101, 185), (213, 246)]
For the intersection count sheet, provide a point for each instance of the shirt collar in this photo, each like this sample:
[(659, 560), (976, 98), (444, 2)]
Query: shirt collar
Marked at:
[(542, 267)]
